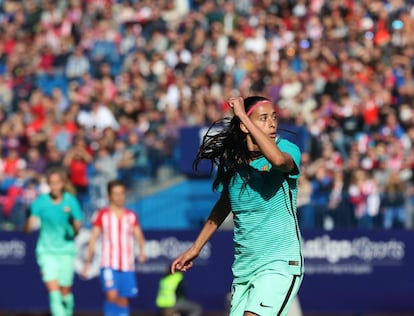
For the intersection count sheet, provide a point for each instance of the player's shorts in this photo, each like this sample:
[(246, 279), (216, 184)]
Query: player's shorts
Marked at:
[(57, 267), (124, 282), (268, 293)]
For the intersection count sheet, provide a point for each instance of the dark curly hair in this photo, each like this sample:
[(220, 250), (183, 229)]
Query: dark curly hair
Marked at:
[(225, 146)]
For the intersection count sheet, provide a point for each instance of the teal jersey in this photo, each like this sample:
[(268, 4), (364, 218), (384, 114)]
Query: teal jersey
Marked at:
[(56, 232), (266, 231)]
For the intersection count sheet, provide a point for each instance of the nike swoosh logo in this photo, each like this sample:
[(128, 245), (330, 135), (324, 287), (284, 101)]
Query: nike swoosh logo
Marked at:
[(263, 305)]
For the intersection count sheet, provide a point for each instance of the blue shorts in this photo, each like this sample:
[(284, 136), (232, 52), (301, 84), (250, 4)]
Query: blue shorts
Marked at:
[(124, 282)]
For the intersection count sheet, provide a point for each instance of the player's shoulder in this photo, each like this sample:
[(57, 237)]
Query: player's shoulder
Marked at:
[(103, 210), (99, 213), (286, 142), (289, 147), (69, 196), (41, 198), (130, 212)]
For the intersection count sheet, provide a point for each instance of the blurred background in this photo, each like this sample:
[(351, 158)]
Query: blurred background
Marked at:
[(113, 88)]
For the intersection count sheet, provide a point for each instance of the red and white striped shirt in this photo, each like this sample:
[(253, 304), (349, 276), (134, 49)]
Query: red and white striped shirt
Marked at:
[(117, 240)]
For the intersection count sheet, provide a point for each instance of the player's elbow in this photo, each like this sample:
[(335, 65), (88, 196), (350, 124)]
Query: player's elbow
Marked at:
[(283, 162)]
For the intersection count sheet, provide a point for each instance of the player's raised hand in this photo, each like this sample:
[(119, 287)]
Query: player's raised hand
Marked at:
[(237, 104)]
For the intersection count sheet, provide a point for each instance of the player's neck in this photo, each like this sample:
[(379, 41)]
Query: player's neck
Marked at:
[(56, 198), (251, 145), (116, 209)]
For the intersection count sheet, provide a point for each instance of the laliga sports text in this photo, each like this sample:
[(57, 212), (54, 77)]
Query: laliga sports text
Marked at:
[(324, 255)]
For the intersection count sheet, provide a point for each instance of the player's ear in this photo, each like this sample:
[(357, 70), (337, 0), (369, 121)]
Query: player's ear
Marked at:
[(243, 128)]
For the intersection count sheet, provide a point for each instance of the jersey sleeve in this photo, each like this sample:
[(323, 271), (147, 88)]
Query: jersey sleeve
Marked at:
[(35, 208), (294, 151), (135, 219), (221, 186), (97, 219), (76, 210)]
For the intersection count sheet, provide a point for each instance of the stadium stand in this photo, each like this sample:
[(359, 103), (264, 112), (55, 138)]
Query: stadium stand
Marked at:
[(104, 87)]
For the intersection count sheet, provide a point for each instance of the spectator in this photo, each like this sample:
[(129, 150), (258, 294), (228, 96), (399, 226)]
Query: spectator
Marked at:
[(339, 207), (322, 185), (364, 196), (77, 64), (306, 214), (104, 170), (54, 158), (99, 116), (20, 209), (36, 164), (393, 202), (138, 152), (12, 163), (124, 161), (12, 188), (6, 94), (77, 161), (62, 137)]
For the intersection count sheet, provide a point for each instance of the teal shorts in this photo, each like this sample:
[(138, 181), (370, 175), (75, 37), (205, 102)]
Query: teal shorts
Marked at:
[(268, 293), (57, 267)]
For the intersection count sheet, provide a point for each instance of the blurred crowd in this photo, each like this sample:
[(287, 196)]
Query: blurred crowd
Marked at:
[(103, 87)]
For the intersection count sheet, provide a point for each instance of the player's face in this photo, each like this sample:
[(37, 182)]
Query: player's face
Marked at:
[(117, 195), (264, 116), (56, 185)]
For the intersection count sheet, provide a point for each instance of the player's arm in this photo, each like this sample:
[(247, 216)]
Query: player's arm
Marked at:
[(96, 231), (217, 215), (76, 224), (76, 215), (29, 224), (32, 214), (270, 150), (139, 237)]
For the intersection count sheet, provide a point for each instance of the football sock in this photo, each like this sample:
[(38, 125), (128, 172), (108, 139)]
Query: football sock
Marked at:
[(68, 303), (123, 310), (56, 304), (110, 309)]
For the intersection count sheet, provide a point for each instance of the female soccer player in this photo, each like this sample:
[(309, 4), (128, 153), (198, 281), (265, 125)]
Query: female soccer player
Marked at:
[(60, 216), (257, 175), (118, 227)]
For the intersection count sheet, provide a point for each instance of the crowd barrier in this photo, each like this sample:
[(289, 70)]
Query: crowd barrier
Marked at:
[(346, 271)]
